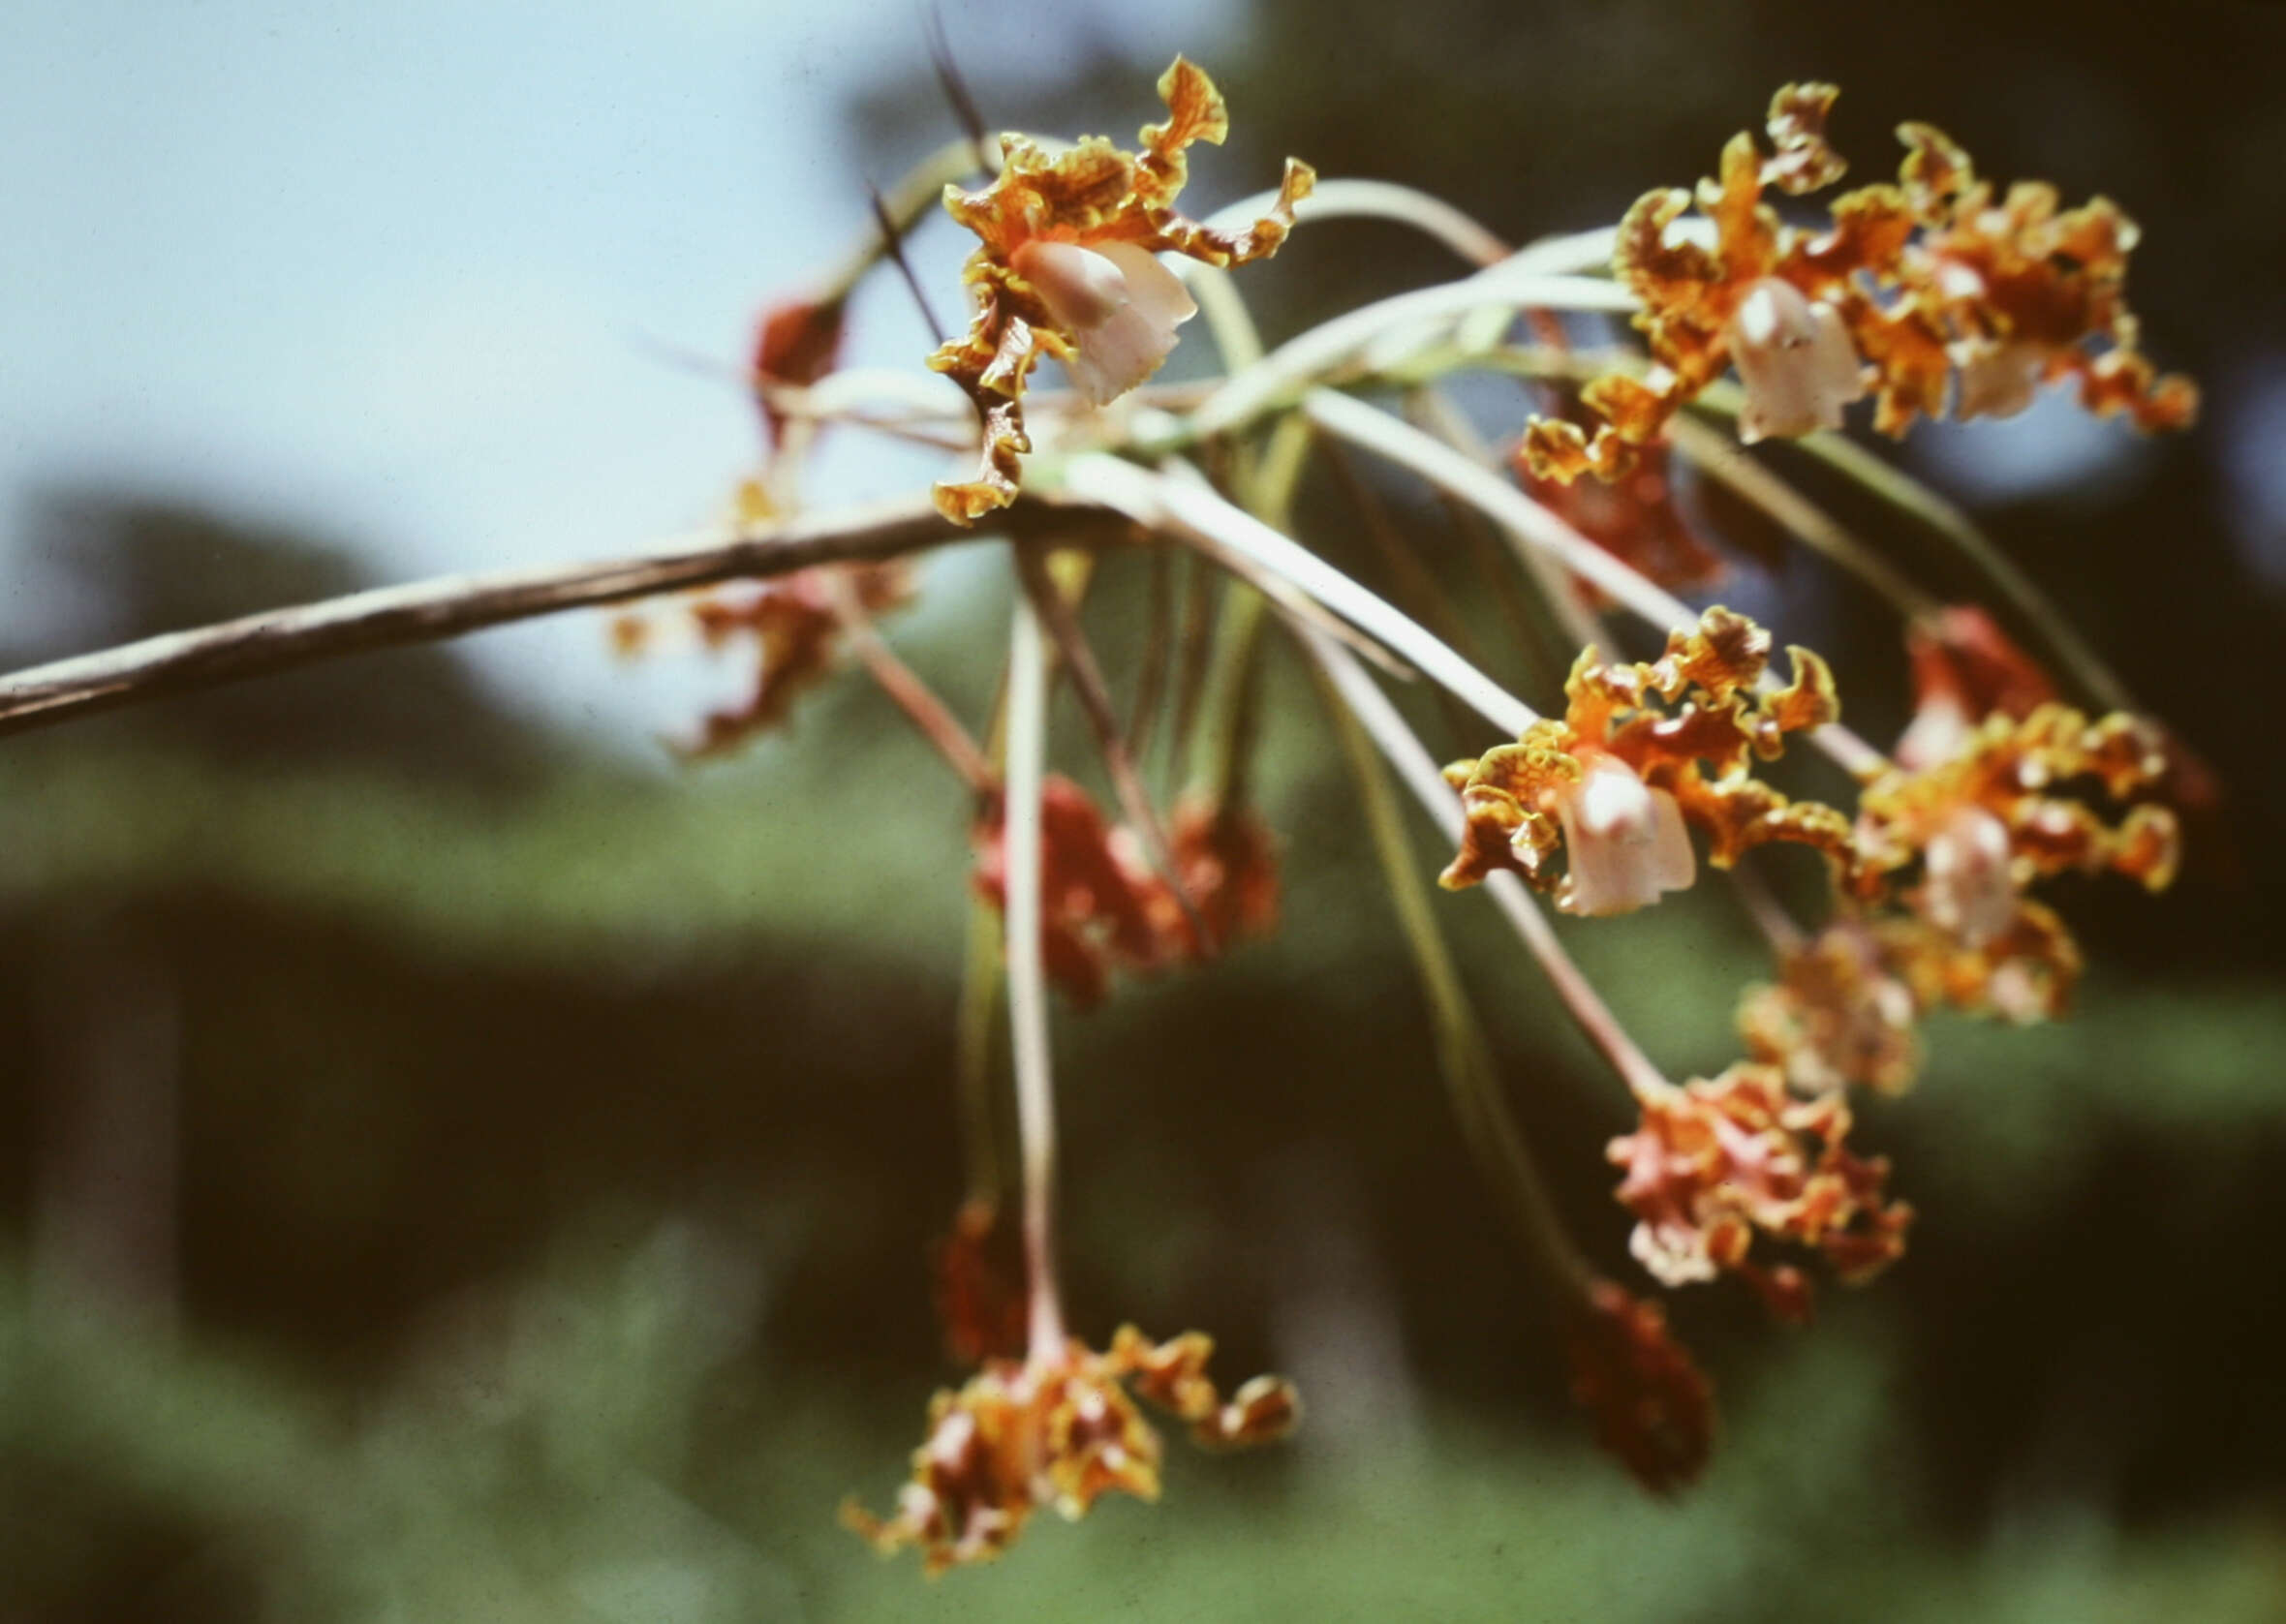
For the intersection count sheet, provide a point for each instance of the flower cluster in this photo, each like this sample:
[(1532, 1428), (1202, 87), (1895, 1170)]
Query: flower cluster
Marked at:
[(1643, 751), (1060, 1431), (1931, 284), (1065, 266), (1718, 1161)]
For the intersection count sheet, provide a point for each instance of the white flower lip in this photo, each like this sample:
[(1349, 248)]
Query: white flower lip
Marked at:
[(1624, 840), (1796, 361), (1117, 304), (1971, 889)]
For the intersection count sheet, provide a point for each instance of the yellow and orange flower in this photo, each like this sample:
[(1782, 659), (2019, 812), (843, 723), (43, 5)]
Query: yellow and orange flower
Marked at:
[(2006, 810), (1060, 1431), (1837, 1015), (1913, 288), (1067, 266), (1643, 751)]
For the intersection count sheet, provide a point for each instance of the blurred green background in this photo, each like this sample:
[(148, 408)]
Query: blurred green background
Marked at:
[(450, 1168)]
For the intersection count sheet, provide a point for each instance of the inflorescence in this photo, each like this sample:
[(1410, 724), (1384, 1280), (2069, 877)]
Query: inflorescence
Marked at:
[(1931, 294)]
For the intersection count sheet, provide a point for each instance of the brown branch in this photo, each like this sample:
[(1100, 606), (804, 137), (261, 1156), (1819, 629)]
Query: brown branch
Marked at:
[(430, 611)]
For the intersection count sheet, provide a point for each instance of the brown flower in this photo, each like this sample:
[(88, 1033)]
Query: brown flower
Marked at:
[(1910, 287), (973, 1273), (1965, 669), (1653, 1406), (1226, 861), (1644, 750), (796, 632), (1717, 1161), (797, 341), (1060, 1431), (1101, 903), (1636, 518), (1066, 267)]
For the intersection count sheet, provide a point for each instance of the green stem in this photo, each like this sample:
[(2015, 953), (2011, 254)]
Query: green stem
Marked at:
[(1465, 1058)]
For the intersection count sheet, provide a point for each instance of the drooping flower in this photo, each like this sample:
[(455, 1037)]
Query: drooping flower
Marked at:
[(1060, 1431), (1965, 669), (792, 623), (795, 631), (1653, 1406), (973, 1276), (1717, 1163), (797, 341), (1067, 266), (1636, 518), (1837, 1015), (1642, 752), (1101, 906), (1910, 287), (1226, 862)]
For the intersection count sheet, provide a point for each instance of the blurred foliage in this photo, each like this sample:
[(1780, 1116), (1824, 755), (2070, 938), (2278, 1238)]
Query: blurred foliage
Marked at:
[(554, 1141)]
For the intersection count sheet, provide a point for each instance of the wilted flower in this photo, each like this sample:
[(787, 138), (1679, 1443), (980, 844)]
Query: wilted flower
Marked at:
[(1652, 1407), (1716, 1161), (1102, 905), (1837, 1015), (1060, 1431), (796, 632), (1066, 267), (974, 1273), (1965, 669), (797, 341), (1636, 518), (1226, 862), (1642, 751), (1910, 285)]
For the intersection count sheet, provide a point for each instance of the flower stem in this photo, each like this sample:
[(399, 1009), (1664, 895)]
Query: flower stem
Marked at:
[(927, 712), (1532, 525), (1278, 565), (1495, 1138), (1028, 992), (1413, 764), (1049, 604)]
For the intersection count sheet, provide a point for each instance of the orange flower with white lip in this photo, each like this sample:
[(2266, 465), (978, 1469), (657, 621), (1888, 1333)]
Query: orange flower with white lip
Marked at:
[(1067, 265), (1643, 753), (2010, 807), (1910, 287)]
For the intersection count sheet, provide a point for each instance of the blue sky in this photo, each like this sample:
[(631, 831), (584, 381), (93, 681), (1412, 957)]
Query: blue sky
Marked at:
[(386, 271)]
